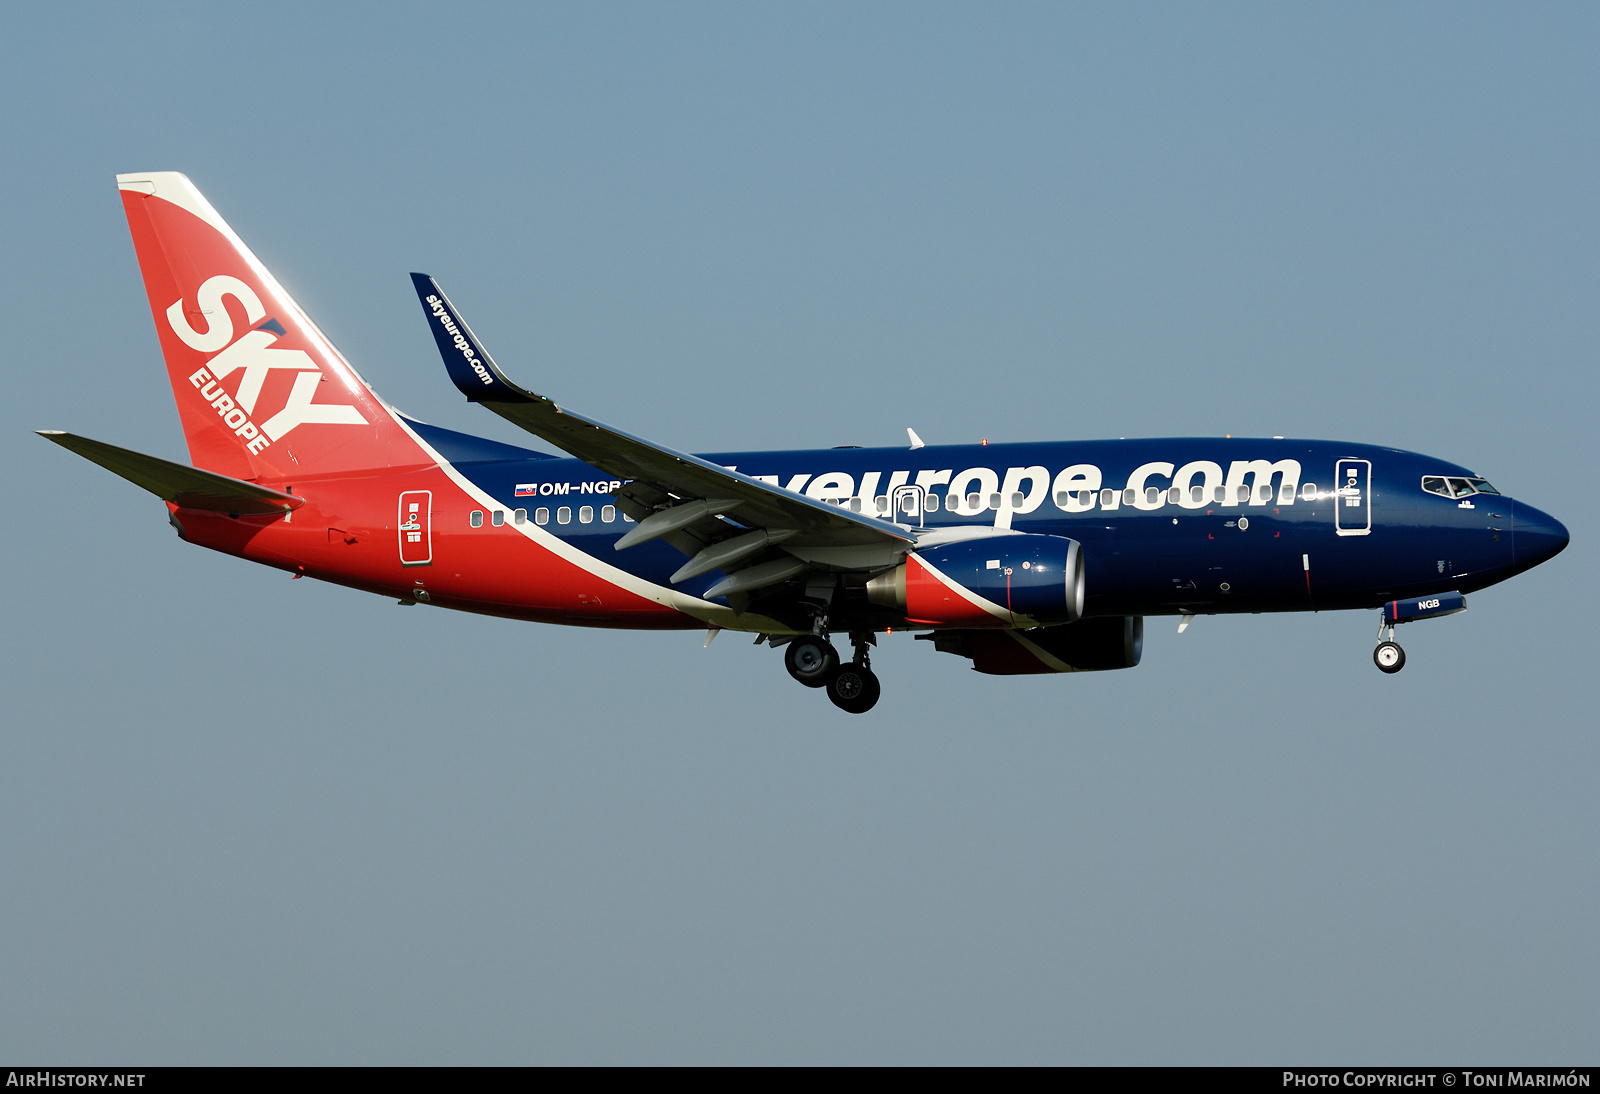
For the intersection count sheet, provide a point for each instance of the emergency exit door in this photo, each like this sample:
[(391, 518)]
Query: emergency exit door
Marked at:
[(1352, 500), (908, 504), (416, 528)]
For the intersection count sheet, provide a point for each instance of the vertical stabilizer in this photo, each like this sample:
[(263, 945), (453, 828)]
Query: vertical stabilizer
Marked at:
[(261, 392)]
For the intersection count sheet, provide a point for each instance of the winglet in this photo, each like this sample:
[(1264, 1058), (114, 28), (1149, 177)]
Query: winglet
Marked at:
[(916, 441), (469, 364), (666, 472)]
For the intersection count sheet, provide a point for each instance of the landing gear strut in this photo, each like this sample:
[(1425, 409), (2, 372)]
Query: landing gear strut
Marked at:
[(1389, 657), (854, 688)]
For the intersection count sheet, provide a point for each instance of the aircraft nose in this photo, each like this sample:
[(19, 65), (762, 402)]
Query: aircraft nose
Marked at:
[(1539, 536)]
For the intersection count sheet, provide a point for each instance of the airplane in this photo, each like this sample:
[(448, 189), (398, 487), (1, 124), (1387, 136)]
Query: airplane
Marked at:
[(1020, 558)]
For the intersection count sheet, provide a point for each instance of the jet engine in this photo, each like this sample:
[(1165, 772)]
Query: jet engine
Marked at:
[(1090, 645), (1000, 581)]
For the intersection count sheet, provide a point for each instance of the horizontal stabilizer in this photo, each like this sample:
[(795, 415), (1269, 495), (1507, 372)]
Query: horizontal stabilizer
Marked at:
[(184, 486)]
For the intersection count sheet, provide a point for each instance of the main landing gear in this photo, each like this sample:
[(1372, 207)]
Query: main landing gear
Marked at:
[(812, 660), (853, 688), (1389, 657)]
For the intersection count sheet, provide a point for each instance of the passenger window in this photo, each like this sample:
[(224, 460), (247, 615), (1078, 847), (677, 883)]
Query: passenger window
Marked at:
[(881, 504), (1129, 496), (608, 514), (586, 515), (1219, 495), (499, 517), (1241, 493), (1175, 495), (974, 503), (1152, 496), (1197, 494), (855, 505), (1106, 498), (1264, 493), (564, 515), (1063, 499), (541, 515), (1308, 491), (476, 520), (994, 501), (519, 516), (932, 503), (1285, 494)]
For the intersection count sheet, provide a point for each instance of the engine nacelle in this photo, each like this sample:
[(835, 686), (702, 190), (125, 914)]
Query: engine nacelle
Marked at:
[(1090, 645), (1000, 581)]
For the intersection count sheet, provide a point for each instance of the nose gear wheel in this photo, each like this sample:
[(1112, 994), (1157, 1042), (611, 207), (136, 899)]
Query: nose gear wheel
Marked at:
[(1389, 657)]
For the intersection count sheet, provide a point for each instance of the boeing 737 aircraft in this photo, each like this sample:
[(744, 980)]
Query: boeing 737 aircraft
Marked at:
[(1021, 558)]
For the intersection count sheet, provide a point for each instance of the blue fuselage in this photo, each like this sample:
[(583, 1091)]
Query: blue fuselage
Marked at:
[(1167, 525)]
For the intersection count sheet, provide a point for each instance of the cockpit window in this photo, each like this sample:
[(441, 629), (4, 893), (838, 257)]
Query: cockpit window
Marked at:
[(1452, 487)]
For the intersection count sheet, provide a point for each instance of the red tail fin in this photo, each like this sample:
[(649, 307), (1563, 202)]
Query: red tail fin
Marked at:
[(261, 392)]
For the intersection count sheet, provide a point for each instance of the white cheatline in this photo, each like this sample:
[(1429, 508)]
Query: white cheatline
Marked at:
[(1042, 654), (997, 610), (704, 610)]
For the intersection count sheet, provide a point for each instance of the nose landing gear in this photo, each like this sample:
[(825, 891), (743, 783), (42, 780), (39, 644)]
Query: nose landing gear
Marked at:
[(1389, 657)]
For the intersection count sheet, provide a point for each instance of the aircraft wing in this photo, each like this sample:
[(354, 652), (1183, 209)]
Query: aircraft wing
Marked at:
[(188, 487), (667, 490)]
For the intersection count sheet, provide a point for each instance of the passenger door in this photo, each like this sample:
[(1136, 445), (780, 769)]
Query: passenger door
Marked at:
[(416, 532), (1352, 502)]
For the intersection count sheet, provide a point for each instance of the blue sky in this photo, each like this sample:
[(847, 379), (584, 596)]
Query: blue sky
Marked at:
[(249, 821)]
